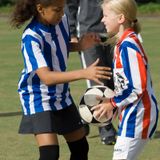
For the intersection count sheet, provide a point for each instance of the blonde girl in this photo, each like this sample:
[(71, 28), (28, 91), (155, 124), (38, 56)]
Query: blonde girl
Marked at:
[(134, 96)]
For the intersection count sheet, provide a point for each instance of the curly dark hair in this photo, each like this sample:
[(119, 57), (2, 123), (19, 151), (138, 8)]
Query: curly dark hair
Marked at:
[(25, 10)]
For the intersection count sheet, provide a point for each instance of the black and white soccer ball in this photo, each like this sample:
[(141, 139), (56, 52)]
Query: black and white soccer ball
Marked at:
[(89, 99)]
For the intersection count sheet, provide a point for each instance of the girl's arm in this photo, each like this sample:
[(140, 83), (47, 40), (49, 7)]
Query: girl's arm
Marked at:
[(86, 41), (92, 72), (131, 78)]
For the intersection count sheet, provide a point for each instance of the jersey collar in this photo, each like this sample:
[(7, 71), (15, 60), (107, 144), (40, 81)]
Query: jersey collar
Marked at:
[(126, 34)]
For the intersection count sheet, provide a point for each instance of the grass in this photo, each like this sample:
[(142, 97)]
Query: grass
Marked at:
[(4, 10), (18, 147)]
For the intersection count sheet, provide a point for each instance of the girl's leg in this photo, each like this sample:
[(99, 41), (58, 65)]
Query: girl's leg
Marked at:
[(78, 144), (48, 146)]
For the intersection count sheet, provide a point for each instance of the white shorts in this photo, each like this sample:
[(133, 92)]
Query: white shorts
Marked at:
[(128, 148)]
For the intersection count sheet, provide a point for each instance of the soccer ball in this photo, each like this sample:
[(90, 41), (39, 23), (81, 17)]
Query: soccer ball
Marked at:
[(89, 99)]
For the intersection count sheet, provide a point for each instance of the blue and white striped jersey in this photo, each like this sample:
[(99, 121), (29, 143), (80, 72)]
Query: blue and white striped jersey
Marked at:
[(44, 46)]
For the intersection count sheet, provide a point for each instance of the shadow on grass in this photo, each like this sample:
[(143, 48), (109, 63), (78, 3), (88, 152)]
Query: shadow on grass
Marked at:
[(9, 114), (94, 136), (156, 135)]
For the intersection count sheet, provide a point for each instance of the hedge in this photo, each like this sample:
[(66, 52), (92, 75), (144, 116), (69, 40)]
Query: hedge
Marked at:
[(11, 2), (6, 2)]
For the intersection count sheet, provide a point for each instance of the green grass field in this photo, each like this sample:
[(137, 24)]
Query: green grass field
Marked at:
[(17, 147)]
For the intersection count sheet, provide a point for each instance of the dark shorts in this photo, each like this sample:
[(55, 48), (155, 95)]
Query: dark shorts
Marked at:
[(60, 122)]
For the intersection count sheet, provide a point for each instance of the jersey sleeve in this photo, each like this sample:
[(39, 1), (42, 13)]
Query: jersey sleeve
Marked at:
[(32, 53), (130, 78)]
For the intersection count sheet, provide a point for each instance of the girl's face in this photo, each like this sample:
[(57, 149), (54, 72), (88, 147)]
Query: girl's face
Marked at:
[(110, 20), (51, 14)]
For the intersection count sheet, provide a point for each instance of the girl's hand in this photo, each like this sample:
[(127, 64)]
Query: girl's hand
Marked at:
[(103, 109), (94, 72), (74, 40), (88, 40)]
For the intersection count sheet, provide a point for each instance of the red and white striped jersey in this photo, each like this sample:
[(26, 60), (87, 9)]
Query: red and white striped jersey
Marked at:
[(135, 99)]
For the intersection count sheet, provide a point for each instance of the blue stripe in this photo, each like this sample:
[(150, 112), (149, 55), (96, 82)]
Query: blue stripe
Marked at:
[(23, 85), (25, 95), (30, 39), (65, 89), (51, 93), (131, 123), (157, 115), (127, 44), (130, 130), (126, 65), (47, 50), (66, 38), (26, 98), (122, 123), (37, 94), (126, 94), (27, 44), (65, 35), (58, 52), (29, 50), (48, 55), (127, 72)]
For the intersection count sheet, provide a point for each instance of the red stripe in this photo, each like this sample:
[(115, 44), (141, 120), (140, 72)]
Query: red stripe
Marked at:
[(113, 103), (118, 61), (142, 70), (120, 117), (145, 97), (146, 117), (140, 46)]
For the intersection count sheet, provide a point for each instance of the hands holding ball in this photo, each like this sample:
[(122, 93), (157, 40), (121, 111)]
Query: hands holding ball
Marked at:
[(103, 110), (95, 106)]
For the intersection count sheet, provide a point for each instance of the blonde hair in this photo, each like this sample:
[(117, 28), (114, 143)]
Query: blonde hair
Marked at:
[(128, 8)]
